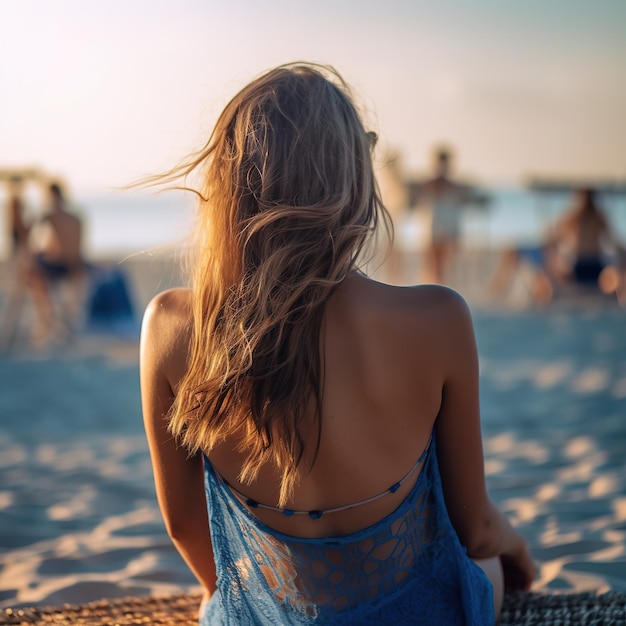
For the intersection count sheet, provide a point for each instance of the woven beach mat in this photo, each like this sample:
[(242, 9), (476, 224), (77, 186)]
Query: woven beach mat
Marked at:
[(519, 609), (575, 609), (181, 610)]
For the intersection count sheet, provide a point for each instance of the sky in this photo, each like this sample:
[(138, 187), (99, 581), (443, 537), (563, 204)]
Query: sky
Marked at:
[(103, 93)]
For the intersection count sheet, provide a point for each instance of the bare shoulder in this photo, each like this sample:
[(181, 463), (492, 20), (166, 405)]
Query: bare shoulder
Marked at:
[(437, 327), (439, 299), (424, 318), (166, 332), (568, 222), (171, 306), (437, 305), (451, 329), (445, 315)]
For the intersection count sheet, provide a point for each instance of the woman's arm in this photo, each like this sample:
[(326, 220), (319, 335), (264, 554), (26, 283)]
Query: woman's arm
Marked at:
[(482, 528), (178, 478)]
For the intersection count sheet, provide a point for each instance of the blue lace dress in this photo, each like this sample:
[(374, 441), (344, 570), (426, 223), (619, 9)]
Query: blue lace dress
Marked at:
[(408, 568)]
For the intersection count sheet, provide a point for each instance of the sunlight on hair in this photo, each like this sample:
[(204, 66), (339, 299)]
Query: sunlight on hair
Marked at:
[(287, 207)]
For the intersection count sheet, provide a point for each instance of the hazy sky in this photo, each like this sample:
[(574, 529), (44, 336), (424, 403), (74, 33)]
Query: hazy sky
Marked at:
[(104, 92)]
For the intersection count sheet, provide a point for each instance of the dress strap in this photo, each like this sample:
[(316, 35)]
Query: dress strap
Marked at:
[(317, 513)]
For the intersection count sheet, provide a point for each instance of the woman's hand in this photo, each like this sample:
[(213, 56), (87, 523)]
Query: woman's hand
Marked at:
[(518, 567)]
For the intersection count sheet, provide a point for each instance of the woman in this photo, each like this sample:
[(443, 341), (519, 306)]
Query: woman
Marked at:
[(585, 232), (299, 390), (444, 199)]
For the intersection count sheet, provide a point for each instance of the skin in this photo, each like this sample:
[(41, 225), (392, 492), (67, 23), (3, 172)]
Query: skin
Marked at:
[(61, 245), (64, 243), (585, 232), (442, 249), (17, 222), (20, 257), (399, 361)]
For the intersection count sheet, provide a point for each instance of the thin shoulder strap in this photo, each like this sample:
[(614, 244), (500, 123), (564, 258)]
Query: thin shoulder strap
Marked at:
[(317, 513)]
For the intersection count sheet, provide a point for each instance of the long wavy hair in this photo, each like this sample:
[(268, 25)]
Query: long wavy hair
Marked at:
[(287, 204)]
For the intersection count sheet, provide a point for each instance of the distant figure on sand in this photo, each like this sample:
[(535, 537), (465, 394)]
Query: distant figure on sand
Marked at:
[(585, 231), (57, 260), (315, 434), (18, 227), (580, 249), (19, 262), (443, 198)]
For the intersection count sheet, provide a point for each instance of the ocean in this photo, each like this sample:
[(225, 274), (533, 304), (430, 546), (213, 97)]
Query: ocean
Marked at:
[(125, 222)]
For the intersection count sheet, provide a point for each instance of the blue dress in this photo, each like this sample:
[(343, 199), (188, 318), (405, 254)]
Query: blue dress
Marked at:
[(408, 568)]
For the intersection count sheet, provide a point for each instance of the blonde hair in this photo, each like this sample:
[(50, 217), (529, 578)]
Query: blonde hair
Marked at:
[(288, 201)]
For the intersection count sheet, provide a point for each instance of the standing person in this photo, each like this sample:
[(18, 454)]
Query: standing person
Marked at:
[(334, 419), (443, 199), (19, 230), (59, 259), (18, 226)]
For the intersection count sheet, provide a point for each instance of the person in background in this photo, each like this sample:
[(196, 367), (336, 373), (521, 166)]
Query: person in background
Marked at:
[(580, 250), (19, 260), (57, 261), (18, 226), (315, 435), (585, 235), (443, 198)]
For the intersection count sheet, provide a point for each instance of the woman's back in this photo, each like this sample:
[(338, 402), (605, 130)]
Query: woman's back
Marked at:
[(380, 562), (384, 367), (311, 390), (407, 568)]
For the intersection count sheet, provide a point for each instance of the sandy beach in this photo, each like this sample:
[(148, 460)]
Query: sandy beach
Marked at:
[(78, 515)]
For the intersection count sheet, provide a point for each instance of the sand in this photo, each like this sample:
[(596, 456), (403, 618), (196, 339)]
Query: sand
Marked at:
[(78, 516)]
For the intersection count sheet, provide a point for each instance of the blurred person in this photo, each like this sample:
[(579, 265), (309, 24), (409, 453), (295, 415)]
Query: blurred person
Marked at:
[(57, 261), (585, 234), (443, 199), (597, 257), (580, 249), (19, 230), (16, 220), (285, 391)]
